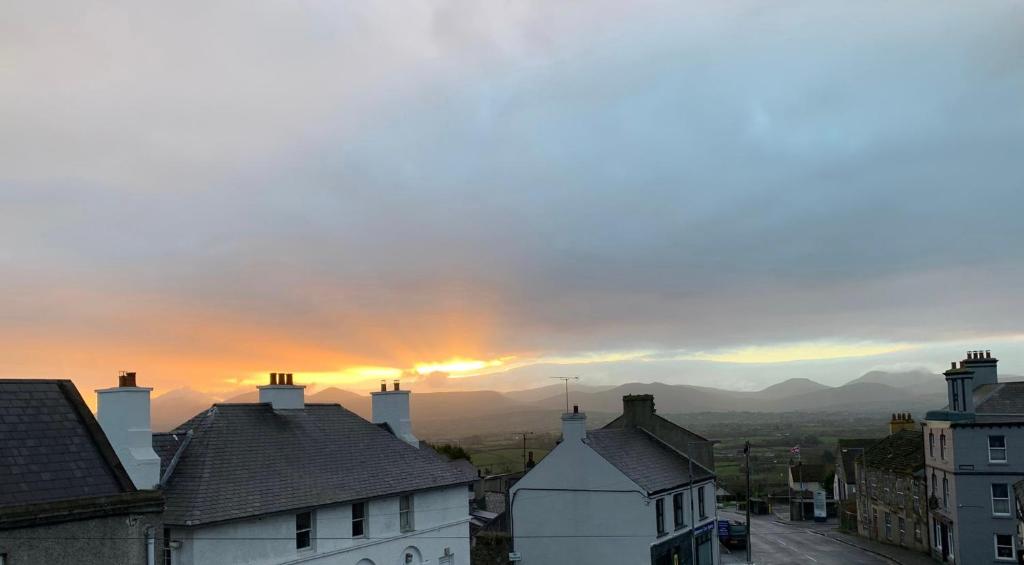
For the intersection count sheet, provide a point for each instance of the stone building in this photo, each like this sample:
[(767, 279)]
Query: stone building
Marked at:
[(892, 502)]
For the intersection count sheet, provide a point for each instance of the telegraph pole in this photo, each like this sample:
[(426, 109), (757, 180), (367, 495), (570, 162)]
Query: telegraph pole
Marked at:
[(566, 380), (524, 448), (746, 454)]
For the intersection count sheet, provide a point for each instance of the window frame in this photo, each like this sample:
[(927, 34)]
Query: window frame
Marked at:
[(165, 548), (678, 510), (942, 446), (659, 516), (945, 493), (888, 525), (308, 531), (1012, 546), (406, 516), (361, 521), (1006, 499), (931, 443), (701, 506), (1003, 449)]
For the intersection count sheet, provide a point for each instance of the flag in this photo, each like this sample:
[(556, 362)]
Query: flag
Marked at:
[(795, 450)]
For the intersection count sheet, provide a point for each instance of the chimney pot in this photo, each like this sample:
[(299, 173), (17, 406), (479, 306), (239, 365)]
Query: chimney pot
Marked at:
[(289, 376), (575, 408), (273, 378), (988, 354), (952, 365), (383, 386), (126, 379), (397, 386)]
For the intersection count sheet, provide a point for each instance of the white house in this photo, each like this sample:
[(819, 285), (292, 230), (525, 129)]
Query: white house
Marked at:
[(620, 495), (285, 482)]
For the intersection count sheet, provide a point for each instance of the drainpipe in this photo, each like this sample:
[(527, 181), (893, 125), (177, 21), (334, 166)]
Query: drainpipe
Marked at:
[(150, 546)]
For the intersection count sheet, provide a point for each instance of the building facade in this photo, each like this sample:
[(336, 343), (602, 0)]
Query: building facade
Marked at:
[(892, 498), (618, 495), (972, 460), (285, 482)]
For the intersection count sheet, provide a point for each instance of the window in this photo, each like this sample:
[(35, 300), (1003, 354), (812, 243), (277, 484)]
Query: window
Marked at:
[(942, 446), (902, 529), (937, 536), (917, 530), (405, 513), (659, 515), (359, 519), (700, 503), (931, 444), (1004, 546), (997, 449), (166, 547), (678, 516), (1000, 499), (945, 492), (303, 530), (956, 396), (935, 485), (888, 525)]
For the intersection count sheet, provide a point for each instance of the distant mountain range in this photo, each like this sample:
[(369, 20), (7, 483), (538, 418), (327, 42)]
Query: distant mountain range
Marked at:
[(457, 414)]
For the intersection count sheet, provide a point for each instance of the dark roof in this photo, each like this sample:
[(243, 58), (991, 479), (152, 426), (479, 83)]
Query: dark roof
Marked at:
[(648, 462), (1000, 398), (811, 472), (849, 449), (248, 460), (51, 447), (901, 452)]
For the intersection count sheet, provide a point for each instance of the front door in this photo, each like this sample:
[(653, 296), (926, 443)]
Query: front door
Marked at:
[(944, 530)]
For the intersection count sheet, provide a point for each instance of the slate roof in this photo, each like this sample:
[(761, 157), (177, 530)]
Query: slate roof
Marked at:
[(853, 448), (647, 461), (51, 447), (1001, 398), (901, 452), (248, 459)]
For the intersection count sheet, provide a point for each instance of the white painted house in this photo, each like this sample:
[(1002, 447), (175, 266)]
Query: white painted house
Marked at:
[(285, 482), (625, 494)]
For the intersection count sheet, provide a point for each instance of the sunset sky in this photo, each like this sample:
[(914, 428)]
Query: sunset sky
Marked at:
[(718, 193)]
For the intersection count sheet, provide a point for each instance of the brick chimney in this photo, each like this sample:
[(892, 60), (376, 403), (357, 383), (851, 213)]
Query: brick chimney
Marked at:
[(901, 421), (123, 413), (391, 407), (282, 393), (638, 409), (574, 425)]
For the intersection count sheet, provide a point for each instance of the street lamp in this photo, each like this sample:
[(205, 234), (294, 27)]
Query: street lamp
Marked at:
[(693, 517)]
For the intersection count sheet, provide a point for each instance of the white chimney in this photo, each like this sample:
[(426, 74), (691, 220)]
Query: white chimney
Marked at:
[(574, 425), (123, 413), (391, 407), (282, 394)]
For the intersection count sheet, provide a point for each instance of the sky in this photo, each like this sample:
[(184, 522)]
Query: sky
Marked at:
[(725, 194)]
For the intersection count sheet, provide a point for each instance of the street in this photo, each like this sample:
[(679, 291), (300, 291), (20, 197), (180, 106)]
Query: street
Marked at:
[(777, 543)]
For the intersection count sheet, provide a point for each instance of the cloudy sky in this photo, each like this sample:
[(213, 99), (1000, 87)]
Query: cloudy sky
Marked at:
[(722, 193)]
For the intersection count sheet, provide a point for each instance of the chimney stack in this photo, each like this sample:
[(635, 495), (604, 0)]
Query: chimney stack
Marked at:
[(574, 425), (282, 394), (983, 365), (901, 421), (391, 407), (123, 413)]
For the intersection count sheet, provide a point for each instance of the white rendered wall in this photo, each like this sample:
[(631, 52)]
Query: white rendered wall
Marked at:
[(123, 413), (557, 527), (440, 518)]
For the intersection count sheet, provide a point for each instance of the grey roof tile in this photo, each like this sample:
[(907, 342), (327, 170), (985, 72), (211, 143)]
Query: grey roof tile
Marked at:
[(248, 459), (52, 447), (648, 462)]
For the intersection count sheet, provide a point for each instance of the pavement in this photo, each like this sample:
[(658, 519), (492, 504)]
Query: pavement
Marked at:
[(778, 542)]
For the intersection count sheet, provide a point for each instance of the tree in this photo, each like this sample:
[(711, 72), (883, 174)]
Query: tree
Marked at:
[(452, 452)]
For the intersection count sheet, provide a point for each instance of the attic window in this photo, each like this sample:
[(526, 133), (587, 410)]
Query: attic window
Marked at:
[(997, 449), (659, 515), (405, 513)]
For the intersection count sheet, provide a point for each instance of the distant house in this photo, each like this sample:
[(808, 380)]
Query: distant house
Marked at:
[(625, 493), (892, 505), (804, 480), (64, 495), (282, 481), (844, 486)]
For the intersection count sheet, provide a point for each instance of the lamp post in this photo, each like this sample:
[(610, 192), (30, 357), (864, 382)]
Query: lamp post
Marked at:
[(693, 516)]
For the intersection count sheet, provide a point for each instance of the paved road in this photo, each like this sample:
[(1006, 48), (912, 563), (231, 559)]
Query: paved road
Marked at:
[(777, 543)]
